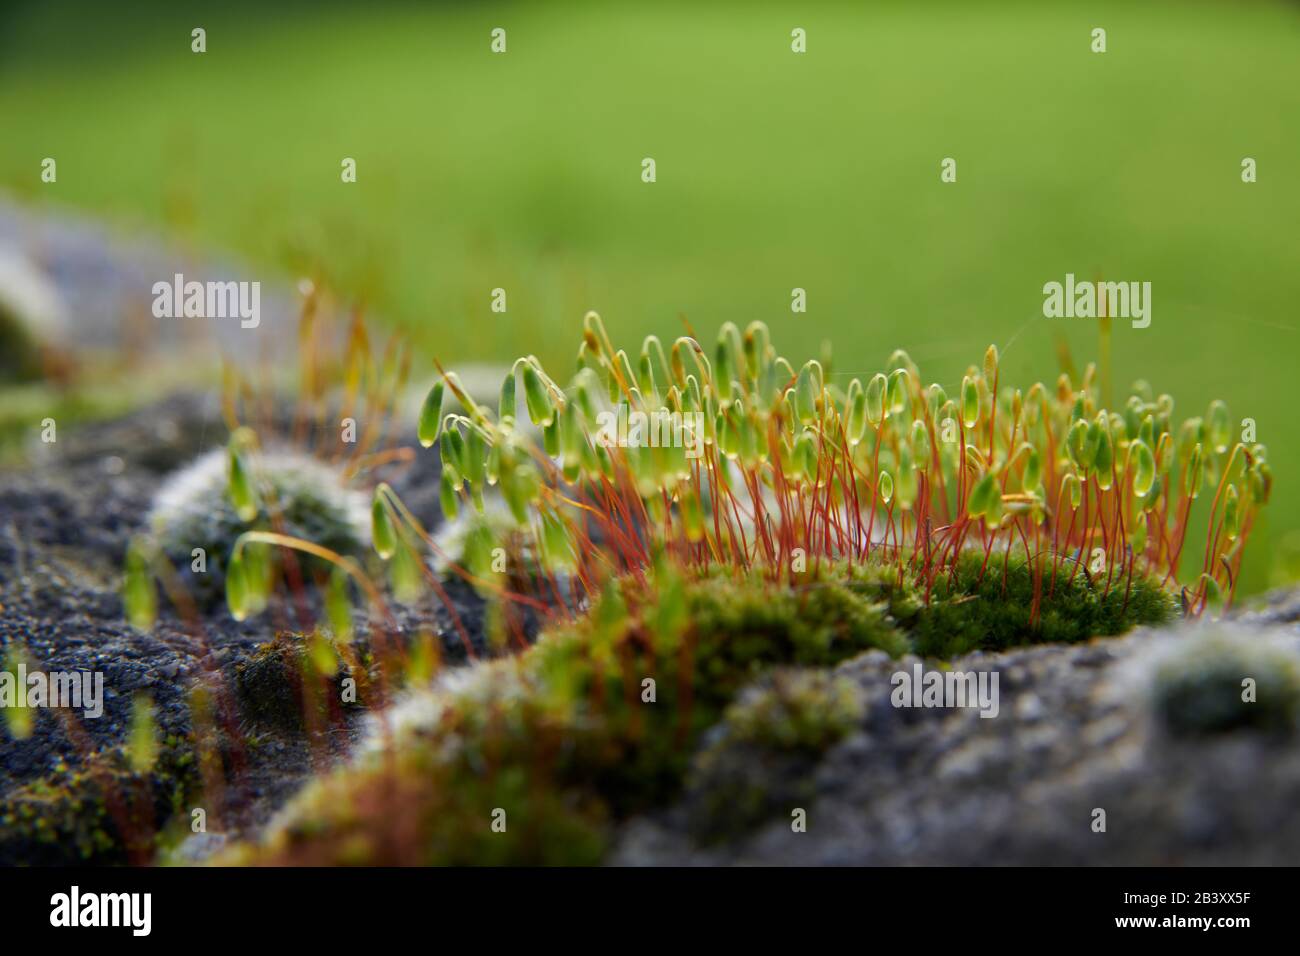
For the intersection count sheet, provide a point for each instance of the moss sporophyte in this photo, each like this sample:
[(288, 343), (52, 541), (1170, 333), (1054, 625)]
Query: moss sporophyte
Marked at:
[(782, 471)]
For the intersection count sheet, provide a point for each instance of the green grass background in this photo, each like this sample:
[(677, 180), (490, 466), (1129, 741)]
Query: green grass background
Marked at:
[(775, 170)]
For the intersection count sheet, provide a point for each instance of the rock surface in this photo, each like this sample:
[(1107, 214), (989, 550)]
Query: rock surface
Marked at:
[(1077, 731), (65, 521)]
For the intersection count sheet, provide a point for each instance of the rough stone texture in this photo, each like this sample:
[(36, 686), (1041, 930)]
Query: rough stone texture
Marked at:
[(1075, 732), (65, 520)]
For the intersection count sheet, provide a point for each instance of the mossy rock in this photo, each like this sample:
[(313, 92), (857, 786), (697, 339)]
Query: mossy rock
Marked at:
[(293, 681), (569, 736), (102, 813), (599, 719), (298, 496), (760, 762), (1223, 680)]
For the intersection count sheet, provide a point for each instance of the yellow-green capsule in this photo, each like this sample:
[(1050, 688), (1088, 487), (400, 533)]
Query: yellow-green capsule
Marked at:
[(139, 594), (724, 370), (1091, 445), (805, 394), (1147, 431), (970, 402), (1232, 513), (475, 457), (920, 441), (447, 495), (1261, 482), (1071, 491), (242, 496), (338, 606), (981, 496), (805, 454), (541, 408), (142, 738), (855, 412), (758, 340), (382, 533), (991, 364), (507, 404), (551, 437), (876, 399), (431, 415), (258, 575), (937, 398), (1144, 468), (646, 377), (236, 587), (451, 446), (897, 391), (1193, 431), (1164, 454), (404, 573), (1104, 460), (1218, 427), (586, 394), (1033, 473), (885, 487), (1195, 475), (993, 514)]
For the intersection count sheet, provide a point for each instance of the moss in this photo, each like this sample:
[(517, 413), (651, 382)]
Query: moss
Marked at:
[(599, 719), (298, 496), (100, 813), (761, 760), (291, 681), (991, 609), (1197, 685), (568, 736), (796, 710)]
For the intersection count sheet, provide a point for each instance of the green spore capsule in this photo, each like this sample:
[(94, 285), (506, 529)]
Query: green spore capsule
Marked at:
[(876, 399), (139, 594), (541, 407), (242, 496), (431, 415), (1144, 468), (382, 533), (970, 402), (1218, 427)]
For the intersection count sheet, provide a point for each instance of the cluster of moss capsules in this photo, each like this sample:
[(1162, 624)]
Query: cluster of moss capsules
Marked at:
[(741, 460)]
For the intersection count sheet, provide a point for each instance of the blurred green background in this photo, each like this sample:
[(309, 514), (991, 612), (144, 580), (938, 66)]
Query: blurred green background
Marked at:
[(775, 170)]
